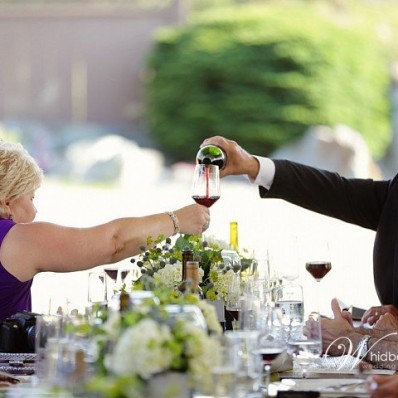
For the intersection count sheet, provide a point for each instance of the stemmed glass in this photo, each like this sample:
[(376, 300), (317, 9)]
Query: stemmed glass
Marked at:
[(96, 287), (114, 281), (234, 299), (319, 266), (304, 341), (206, 184), (271, 340), (123, 274)]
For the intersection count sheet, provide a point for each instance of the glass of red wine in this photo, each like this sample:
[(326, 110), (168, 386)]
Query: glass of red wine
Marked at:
[(320, 263), (114, 281), (234, 299), (271, 340), (318, 269), (206, 184)]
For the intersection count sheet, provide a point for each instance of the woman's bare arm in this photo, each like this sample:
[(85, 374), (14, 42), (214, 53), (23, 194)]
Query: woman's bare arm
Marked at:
[(36, 247)]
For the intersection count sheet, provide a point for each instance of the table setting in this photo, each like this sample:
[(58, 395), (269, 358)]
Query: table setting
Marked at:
[(234, 330)]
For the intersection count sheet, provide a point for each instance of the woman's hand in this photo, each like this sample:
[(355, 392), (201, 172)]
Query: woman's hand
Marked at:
[(373, 314), (194, 219), (238, 162)]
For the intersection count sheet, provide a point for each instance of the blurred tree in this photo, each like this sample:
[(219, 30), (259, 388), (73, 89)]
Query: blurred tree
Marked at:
[(262, 76)]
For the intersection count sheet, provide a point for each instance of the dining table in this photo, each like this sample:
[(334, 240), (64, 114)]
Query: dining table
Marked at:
[(333, 377)]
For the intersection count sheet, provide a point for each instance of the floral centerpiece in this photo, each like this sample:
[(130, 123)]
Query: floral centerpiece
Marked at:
[(160, 263), (145, 344)]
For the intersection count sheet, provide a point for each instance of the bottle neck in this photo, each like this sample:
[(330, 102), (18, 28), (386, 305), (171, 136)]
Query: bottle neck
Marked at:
[(233, 236), (192, 275), (187, 255)]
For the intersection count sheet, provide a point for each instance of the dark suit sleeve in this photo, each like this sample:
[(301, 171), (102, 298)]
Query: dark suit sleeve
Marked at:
[(357, 201)]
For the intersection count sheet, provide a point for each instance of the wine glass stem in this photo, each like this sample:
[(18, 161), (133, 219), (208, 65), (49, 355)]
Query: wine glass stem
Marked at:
[(267, 371)]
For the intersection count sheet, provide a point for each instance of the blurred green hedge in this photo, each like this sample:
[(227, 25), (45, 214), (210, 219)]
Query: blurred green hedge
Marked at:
[(262, 76)]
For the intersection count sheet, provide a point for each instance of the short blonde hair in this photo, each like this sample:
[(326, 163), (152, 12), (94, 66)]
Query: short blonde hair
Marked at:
[(19, 173)]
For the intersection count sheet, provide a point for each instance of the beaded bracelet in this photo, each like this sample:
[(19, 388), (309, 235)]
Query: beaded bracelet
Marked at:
[(176, 223)]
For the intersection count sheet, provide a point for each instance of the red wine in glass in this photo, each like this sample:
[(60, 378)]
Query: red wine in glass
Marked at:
[(112, 273), (124, 273), (234, 314), (268, 354), (206, 184), (205, 200), (318, 269)]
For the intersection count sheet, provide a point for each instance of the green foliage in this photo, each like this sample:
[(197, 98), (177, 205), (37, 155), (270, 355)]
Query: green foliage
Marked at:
[(262, 76), (160, 252)]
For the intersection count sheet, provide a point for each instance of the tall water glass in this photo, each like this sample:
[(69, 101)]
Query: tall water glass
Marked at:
[(48, 334), (289, 299), (304, 342), (249, 370), (224, 369)]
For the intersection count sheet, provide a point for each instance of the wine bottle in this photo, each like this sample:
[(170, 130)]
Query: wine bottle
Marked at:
[(124, 302), (187, 255), (192, 278), (211, 154), (233, 236)]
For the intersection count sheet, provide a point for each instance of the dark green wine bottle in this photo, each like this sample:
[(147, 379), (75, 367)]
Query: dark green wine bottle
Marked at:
[(211, 154)]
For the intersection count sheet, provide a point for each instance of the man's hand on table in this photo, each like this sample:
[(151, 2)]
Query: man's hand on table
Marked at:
[(337, 331), (372, 315)]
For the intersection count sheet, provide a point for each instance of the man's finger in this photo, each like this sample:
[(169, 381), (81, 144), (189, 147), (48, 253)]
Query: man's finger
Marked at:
[(336, 309)]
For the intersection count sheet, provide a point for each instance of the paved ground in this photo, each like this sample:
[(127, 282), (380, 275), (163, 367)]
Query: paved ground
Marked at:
[(263, 224)]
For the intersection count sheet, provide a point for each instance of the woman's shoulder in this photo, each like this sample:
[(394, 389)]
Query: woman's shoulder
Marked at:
[(5, 226)]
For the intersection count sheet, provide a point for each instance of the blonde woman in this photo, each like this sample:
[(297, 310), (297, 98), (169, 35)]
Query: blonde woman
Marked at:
[(28, 247)]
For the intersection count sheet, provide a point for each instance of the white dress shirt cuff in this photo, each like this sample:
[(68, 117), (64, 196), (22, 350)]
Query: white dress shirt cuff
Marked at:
[(266, 173)]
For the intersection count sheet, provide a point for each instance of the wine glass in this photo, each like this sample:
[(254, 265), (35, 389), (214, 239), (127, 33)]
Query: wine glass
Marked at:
[(123, 274), (304, 341), (111, 278), (318, 266), (234, 299), (318, 269), (271, 340), (96, 287), (206, 184)]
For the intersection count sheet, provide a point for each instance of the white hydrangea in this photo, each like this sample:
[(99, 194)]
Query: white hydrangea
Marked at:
[(140, 350), (203, 351), (171, 275), (222, 283)]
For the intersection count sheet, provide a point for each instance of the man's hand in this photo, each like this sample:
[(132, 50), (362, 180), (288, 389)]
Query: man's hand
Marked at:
[(373, 314), (335, 332), (386, 322), (383, 386), (239, 161)]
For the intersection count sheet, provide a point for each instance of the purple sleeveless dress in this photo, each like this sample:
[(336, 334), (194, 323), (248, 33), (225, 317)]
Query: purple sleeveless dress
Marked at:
[(14, 295)]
